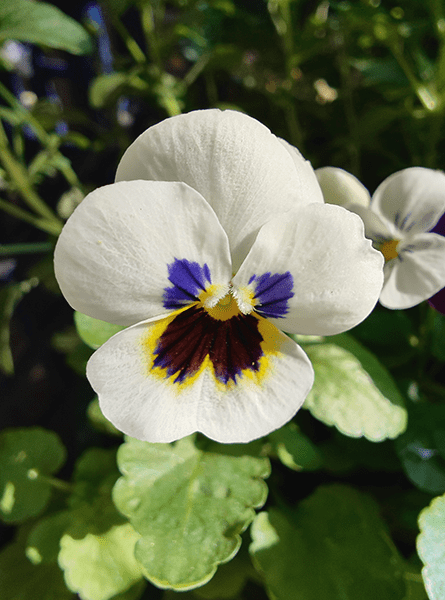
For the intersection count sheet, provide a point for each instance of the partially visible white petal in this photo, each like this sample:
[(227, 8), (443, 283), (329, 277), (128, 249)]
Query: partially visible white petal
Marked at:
[(337, 275), (417, 274), (235, 162), (155, 409), (412, 199), (309, 186), (376, 229), (342, 188), (111, 259)]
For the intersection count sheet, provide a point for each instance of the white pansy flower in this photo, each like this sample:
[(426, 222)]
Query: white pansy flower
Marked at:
[(214, 239), (398, 219)]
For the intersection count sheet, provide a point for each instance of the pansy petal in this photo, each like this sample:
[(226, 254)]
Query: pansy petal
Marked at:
[(312, 271), (416, 274), (342, 188), (156, 404), (123, 251), (235, 162), (412, 199), (376, 228)]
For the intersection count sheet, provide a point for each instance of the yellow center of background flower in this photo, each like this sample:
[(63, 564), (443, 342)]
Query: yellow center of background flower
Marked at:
[(389, 249)]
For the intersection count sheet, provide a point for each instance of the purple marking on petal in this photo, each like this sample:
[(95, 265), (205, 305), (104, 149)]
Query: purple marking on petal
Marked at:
[(188, 279), (273, 293), (439, 226)]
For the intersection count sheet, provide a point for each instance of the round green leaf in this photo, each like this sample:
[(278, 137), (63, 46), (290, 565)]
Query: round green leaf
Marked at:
[(189, 506), (42, 23), (27, 455), (353, 391), (431, 547), (92, 331), (334, 546)]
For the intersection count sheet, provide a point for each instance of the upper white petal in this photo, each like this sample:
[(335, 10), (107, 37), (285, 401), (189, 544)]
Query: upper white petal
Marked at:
[(154, 409), (417, 274), (240, 168), (412, 199), (337, 275), (342, 188), (111, 259)]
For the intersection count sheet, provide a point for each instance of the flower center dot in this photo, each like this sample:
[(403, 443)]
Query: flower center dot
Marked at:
[(226, 308), (389, 249)]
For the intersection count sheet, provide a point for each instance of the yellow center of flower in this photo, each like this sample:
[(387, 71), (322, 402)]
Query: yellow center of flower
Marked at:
[(225, 309), (389, 249)]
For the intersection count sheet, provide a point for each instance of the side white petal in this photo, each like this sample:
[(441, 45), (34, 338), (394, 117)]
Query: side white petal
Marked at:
[(111, 260), (146, 406), (235, 162), (412, 199), (342, 188), (417, 274), (377, 229), (337, 275)]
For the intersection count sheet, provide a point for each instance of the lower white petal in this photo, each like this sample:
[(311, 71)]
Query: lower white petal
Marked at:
[(312, 271), (144, 401), (416, 274)]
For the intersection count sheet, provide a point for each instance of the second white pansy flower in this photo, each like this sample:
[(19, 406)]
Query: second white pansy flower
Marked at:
[(214, 240), (398, 219)]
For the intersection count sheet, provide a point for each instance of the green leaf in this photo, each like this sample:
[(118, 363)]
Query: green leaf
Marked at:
[(20, 579), (42, 23), (431, 547), (99, 566), (421, 448), (353, 391), (100, 422), (334, 546), (43, 543), (294, 449), (189, 505), (93, 332), (27, 456), (94, 543)]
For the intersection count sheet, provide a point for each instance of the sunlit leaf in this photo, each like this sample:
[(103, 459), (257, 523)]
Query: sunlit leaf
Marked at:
[(431, 547), (189, 505), (42, 23), (353, 391)]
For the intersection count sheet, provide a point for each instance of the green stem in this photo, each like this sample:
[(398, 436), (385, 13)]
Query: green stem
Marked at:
[(427, 96), (50, 226), (59, 484), (43, 136), (16, 249), (148, 25), (132, 46)]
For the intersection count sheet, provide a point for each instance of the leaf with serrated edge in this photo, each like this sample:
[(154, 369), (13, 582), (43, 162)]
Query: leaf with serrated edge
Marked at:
[(100, 566), (431, 547), (353, 391), (189, 506)]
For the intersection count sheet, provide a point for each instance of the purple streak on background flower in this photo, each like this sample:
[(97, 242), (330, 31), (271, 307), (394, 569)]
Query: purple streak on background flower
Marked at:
[(438, 300)]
